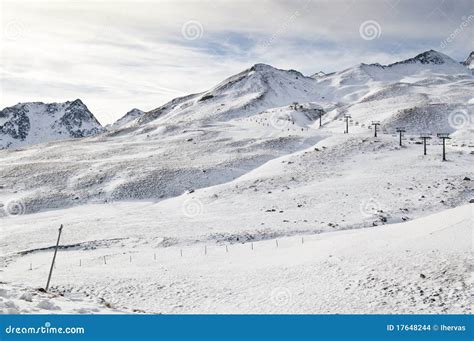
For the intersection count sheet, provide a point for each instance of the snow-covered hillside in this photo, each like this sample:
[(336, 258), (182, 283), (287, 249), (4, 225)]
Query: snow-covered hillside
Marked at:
[(262, 87), (422, 266), (248, 162), (249, 119), (126, 119), (32, 123), (255, 89)]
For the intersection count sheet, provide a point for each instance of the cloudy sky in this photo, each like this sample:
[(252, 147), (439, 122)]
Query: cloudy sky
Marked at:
[(117, 55)]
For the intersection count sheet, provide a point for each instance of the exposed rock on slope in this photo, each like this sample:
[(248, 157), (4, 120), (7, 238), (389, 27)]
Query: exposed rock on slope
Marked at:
[(31, 123)]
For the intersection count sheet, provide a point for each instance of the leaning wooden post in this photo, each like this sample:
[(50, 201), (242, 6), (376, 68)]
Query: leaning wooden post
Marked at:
[(54, 258)]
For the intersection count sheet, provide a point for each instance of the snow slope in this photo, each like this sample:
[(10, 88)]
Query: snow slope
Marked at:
[(18, 299), (200, 141), (32, 123), (126, 119), (422, 266), (255, 89), (247, 162)]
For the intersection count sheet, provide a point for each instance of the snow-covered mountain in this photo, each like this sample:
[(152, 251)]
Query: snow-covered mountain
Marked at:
[(36, 122), (469, 62), (255, 89), (319, 74), (423, 65), (248, 120), (126, 119), (263, 87), (252, 117), (252, 91), (430, 57), (248, 161)]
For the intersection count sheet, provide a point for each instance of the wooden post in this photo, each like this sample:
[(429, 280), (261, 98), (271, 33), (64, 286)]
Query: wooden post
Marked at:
[(181, 252), (105, 260), (154, 256), (205, 250), (302, 240), (54, 258), (80, 262), (130, 258), (251, 245), (276, 241), (31, 266), (226, 249)]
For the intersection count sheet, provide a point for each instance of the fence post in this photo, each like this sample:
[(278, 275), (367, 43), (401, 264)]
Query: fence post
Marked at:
[(54, 258)]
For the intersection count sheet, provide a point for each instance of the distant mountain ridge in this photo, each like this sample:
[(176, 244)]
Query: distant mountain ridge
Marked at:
[(37, 122), (126, 119), (256, 89), (236, 127), (427, 57), (262, 87), (469, 62)]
